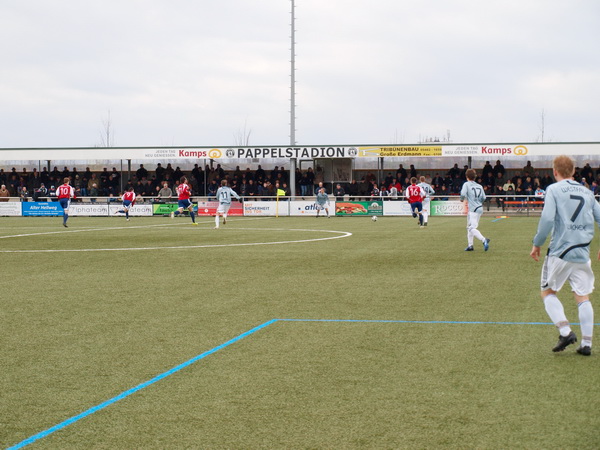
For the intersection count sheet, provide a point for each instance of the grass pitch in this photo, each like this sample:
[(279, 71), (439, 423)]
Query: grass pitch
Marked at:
[(388, 336)]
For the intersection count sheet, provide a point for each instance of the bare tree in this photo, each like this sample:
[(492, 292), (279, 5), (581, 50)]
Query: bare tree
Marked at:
[(107, 135), (242, 136)]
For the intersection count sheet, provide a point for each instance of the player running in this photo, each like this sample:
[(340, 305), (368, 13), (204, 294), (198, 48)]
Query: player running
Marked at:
[(428, 189), (184, 193), (128, 199), (65, 193), (415, 195), (569, 213), (224, 194), (473, 193), (322, 202)]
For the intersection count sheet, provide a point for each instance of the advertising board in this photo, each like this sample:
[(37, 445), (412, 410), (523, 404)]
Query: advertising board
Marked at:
[(41, 209), (210, 209), (448, 208), (10, 208), (370, 208), (397, 208), (266, 208)]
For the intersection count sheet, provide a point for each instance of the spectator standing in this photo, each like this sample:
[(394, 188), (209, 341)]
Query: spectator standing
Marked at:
[(339, 192), (401, 174), (353, 190), (487, 169), (160, 172), (140, 173), (499, 168), (4, 193), (528, 169)]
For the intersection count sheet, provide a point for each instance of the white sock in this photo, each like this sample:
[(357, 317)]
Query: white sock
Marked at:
[(586, 320), (556, 312), (217, 220), (478, 235)]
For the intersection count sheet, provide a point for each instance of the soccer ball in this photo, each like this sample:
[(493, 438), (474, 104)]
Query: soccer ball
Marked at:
[(374, 218)]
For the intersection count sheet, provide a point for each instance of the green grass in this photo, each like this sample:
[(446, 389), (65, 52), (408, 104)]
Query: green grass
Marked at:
[(80, 327)]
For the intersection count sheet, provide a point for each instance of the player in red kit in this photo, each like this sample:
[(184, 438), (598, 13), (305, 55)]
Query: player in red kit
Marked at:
[(184, 192), (65, 193), (128, 201), (415, 196)]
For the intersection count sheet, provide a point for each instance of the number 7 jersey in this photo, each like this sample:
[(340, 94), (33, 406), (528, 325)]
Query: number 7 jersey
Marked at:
[(570, 211)]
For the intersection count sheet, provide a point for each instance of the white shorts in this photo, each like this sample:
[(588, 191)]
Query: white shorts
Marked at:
[(223, 208), (321, 207), (473, 219), (556, 272)]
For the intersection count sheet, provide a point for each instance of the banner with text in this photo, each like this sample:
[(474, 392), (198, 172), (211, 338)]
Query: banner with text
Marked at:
[(135, 210), (210, 209), (397, 208), (42, 209), (10, 208), (448, 208), (304, 208), (266, 208)]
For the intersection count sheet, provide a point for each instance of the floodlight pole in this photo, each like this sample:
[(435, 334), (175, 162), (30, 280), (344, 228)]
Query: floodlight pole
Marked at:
[(293, 99)]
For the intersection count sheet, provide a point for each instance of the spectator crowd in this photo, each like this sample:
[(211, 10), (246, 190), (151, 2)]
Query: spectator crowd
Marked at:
[(161, 184)]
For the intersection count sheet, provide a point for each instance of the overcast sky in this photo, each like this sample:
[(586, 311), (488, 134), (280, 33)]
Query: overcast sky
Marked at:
[(212, 73)]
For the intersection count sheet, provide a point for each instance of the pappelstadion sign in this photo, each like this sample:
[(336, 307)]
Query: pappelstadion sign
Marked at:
[(516, 150)]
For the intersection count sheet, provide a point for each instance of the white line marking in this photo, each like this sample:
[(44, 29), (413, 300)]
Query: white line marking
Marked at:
[(338, 235)]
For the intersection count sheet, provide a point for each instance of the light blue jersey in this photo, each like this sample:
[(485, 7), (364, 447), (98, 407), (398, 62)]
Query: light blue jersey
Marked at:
[(427, 189), (322, 199), (474, 194), (224, 194), (569, 213)]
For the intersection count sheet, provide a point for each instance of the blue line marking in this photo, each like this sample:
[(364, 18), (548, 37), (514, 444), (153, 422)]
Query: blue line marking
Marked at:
[(139, 387), (175, 369), (446, 322)]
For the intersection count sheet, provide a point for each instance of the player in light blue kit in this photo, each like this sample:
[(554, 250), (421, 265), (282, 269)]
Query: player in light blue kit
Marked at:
[(570, 211), (224, 194), (473, 193), (322, 202), (426, 202)]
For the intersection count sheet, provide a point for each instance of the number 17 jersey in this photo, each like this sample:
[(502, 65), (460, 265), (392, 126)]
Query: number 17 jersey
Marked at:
[(474, 194)]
